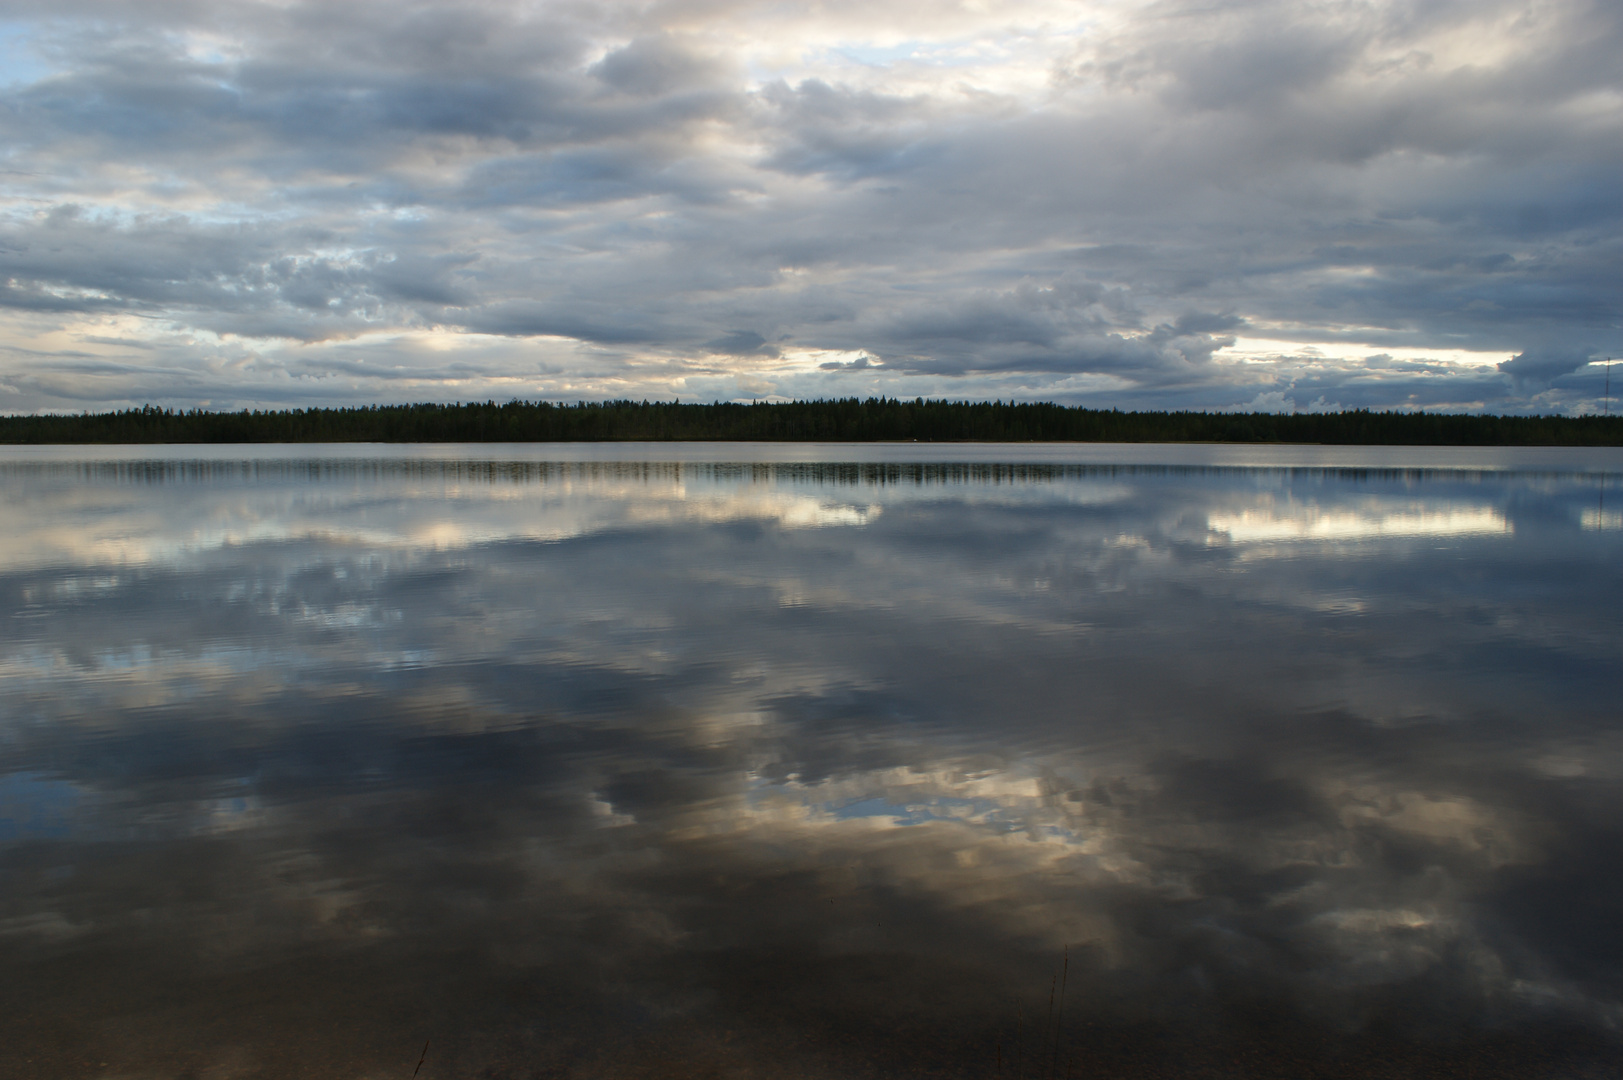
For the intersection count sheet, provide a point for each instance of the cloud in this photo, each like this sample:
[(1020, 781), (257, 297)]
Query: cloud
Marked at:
[(861, 363), (742, 343), (654, 67), (977, 196), (1539, 367)]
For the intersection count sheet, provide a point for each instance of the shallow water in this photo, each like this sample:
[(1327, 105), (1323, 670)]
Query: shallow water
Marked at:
[(731, 760)]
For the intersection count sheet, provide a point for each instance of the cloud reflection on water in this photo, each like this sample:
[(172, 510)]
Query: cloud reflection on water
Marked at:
[(625, 754), (1364, 523)]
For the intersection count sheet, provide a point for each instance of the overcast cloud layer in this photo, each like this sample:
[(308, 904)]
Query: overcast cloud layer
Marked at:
[(1216, 205)]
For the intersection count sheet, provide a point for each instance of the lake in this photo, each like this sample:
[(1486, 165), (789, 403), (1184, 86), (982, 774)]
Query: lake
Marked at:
[(738, 760)]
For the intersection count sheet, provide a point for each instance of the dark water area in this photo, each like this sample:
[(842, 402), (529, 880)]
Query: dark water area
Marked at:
[(1021, 762)]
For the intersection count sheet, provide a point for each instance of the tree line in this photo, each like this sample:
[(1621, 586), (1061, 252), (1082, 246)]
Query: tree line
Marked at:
[(843, 420)]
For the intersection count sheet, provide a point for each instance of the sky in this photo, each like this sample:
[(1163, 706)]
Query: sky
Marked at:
[(1214, 205)]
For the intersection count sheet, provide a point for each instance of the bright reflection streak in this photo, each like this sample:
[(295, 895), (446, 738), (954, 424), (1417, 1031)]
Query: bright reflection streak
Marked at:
[(1312, 524), (122, 527)]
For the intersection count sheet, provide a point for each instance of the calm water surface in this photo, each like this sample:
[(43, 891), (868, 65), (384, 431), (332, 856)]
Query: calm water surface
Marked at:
[(820, 761)]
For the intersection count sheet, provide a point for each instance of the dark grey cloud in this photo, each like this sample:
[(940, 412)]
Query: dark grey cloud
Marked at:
[(847, 134), (1541, 366), (654, 67), (742, 343)]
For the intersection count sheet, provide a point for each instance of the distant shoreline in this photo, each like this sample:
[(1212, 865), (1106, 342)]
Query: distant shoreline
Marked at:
[(847, 420)]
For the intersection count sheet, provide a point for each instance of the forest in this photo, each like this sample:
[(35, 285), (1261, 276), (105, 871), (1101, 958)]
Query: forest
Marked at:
[(844, 420)]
